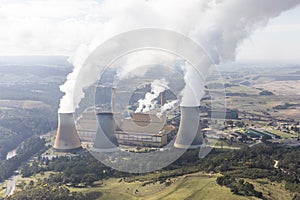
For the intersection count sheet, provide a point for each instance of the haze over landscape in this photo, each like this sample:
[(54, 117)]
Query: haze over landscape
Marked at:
[(150, 99)]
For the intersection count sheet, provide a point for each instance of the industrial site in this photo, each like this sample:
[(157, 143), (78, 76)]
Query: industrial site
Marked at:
[(105, 130), (111, 126), (150, 100)]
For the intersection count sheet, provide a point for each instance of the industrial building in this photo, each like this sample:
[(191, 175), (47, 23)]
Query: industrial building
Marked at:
[(87, 125), (144, 129), (140, 129), (106, 129)]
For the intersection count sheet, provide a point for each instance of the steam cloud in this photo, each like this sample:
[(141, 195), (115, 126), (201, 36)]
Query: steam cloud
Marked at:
[(148, 103), (218, 25)]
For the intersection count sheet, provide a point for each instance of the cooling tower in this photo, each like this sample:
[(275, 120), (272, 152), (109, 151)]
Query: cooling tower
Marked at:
[(189, 135), (105, 140), (67, 138)]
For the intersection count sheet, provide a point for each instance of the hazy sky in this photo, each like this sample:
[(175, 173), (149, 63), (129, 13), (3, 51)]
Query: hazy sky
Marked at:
[(39, 27), (279, 40)]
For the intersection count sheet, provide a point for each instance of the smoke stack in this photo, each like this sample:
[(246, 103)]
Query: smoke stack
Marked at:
[(189, 135), (113, 99), (162, 98), (67, 138), (106, 140)]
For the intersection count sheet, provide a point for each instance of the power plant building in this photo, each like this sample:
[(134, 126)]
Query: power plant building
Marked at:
[(142, 139), (107, 129), (143, 129), (139, 130), (87, 125)]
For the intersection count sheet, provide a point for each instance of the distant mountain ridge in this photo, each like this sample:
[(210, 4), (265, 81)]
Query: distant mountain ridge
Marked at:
[(34, 60)]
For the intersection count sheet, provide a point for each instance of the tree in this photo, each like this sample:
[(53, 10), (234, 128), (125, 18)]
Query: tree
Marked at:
[(89, 179)]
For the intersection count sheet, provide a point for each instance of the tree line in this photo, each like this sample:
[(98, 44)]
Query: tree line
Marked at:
[(17, 125), (45, 191)]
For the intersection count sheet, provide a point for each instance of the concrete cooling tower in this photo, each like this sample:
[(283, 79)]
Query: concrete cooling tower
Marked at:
[(189, 134), (106, 140), (67, 138)]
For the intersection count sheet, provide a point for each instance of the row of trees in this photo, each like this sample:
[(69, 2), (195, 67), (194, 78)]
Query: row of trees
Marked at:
[(81, 170), (45, 191), (239, 187)]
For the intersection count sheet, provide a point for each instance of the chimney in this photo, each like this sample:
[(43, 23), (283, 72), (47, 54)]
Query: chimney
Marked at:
[(67, 138), (162, 98), (113, 99), (106, 140), (189, 135)]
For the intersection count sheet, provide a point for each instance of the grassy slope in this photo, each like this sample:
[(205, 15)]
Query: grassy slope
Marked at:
[(282, 134), (193, 186), (196, 186), (2, 188)]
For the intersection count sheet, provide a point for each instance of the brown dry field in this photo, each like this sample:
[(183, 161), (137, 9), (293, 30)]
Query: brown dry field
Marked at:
[(26, 104), (281, 87)]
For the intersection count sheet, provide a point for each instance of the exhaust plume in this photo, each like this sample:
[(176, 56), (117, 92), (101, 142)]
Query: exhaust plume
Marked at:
[(149, 102), (220, 26)]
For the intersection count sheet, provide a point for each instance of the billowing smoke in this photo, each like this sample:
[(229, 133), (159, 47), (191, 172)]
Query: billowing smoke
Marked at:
[(149, 102), (72, 98), (167, 107), (135, 65), (218, 25)]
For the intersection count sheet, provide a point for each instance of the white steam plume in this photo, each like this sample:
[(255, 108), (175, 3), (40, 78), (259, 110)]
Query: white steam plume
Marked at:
[(148, 103), (134, 63), (219, 25), (167, 107)]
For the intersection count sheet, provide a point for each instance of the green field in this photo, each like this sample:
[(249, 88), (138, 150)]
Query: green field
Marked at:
[(282, 134), (2, 189), (195, 186), (34, 178), (192, 186)]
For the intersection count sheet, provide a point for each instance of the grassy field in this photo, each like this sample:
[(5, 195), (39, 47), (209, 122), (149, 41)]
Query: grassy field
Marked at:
[(194, 186), (282, 134), (26, 104), (197, 187), (223, 145), (32, 178), (243, 89), (2, 188)]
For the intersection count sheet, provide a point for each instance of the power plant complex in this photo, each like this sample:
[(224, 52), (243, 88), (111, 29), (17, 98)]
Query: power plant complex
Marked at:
[(107, 130)]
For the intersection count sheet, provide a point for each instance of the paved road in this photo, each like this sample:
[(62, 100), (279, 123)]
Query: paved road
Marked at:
[(276, 164), (258, 142), (11, 185)]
